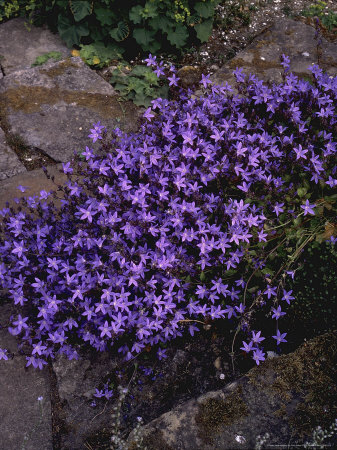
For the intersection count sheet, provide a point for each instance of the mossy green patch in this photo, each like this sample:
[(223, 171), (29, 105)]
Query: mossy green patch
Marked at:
[(29, 99), (42, 59), (308, 374), (216, 412)]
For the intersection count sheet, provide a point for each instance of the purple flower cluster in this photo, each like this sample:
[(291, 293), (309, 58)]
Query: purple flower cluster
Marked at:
[(155, 230)]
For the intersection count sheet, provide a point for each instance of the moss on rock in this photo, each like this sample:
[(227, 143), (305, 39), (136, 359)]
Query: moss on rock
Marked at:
[(309, 374)]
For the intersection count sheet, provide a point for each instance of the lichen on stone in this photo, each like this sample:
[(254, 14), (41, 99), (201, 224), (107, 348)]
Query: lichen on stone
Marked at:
[(214, 413), (307, 377)]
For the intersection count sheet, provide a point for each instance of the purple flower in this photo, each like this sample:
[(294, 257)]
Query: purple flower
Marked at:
[(148, 114), (280, 337), (277, 313), (3, 354), (205, 81), (258, 356), (20, 323), (67, 168), (270, 291), (151, 60), (22, 188), (173, 80), (287, 296), (95, 135), (105, 330), (161, 353), (247, 347), (19, 248), (159, 70), (278, 208), (257, 338), (308, 208)]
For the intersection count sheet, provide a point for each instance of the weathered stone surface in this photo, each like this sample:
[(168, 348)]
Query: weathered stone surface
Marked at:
[(21, 420), (286, 36), (9, 162), (53, 107), (76, 382), (286, 397), (35, 181), (20, 47)]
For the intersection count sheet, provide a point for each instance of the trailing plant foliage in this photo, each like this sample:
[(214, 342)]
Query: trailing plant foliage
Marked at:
[(146, 25), (199, 216), (327, 17), (42, 59), (140, 84), (99, 55)]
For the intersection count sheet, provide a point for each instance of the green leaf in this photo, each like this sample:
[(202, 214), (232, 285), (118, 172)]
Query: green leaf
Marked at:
[(45, 57), (179, 36), (100, 51), (135, 14), (121, 32), (71, 33), (204, 30), (193, 20), (142, 99), (143, 37), (150, 10), (161, 23), (151, 78), (105, 16), (140, 71), (205, 10), (80, 9), (153, 46)]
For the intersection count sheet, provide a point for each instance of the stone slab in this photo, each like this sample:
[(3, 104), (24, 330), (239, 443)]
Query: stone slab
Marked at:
[(34, 180), (23, 423), (53, 107), (286, 36), (10, 164), (20, 47), (286, 397), (76, 381)]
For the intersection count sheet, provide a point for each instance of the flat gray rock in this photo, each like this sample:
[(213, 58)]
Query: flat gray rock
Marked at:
[(35, 181), (76, 381), (22, 423), (286, 397), (10, 164), (20, 47), (53, 107), (286, 36)]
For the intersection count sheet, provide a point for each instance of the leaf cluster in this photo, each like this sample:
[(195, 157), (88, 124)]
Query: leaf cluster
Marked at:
[(99, 55), (327, 17), (135, 25), (42, 59), (140, 84)]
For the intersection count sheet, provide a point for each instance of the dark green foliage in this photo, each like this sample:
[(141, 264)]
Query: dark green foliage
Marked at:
[(327, 17), (135, 25), (100, 55)]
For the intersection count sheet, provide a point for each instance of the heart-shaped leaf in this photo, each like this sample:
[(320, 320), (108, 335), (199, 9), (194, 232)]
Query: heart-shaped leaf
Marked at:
[(204, 30), (80, 9), (121, 32), (71, 33)]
